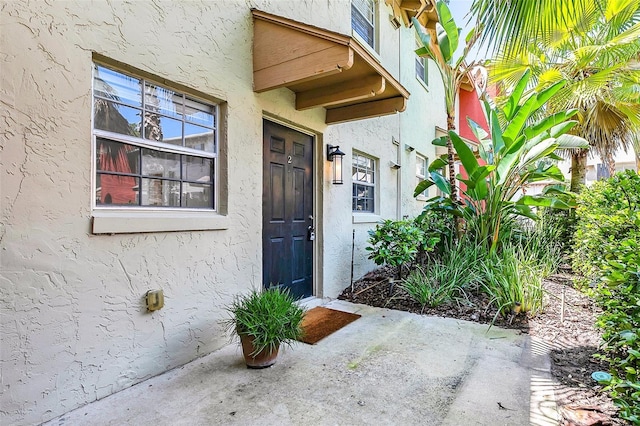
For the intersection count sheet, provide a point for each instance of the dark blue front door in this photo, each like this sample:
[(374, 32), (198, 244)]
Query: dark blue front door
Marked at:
[(287, 209)]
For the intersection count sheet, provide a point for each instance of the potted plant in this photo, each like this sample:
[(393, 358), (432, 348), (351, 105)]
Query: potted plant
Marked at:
[(263, 320)]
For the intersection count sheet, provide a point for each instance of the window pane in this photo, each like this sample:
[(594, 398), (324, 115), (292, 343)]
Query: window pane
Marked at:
[(197, 169), (363, 198), (365, 7), (160, 164), (162, 129), (197, 195), (116, 118), (201, 138), (116, 86), (420, 67), (144, 173), (199, 113), (116, 190), (164, 101), (162, 193), (362, 20), (117, 157), (421, 166)]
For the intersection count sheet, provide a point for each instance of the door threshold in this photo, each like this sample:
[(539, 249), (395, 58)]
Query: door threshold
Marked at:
[(313, 301)]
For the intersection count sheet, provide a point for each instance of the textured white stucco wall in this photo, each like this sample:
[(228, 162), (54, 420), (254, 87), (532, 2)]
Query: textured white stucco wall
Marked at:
[(73, 323), (374, 137)]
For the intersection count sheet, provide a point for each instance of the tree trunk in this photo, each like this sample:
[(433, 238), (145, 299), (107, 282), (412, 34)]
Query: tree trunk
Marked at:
[(636, 150), (451, 125), (578, 170), (459, 224), (609, 162)]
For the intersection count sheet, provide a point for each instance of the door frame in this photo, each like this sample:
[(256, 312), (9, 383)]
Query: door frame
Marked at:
[(316, 173)]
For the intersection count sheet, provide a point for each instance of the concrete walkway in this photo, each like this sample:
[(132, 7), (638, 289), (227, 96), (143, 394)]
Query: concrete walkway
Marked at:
[(386, 368)]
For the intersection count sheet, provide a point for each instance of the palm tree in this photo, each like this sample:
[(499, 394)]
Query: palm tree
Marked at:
[(441, 48), (595, 47)]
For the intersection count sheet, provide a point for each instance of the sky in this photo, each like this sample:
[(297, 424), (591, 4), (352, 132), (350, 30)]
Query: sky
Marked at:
[(459, 10)]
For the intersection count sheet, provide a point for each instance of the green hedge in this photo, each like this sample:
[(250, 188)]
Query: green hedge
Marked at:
[(607, 254)]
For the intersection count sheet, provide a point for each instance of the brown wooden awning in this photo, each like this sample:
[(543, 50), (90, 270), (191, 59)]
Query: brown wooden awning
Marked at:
[(323, 68), (423, 10)]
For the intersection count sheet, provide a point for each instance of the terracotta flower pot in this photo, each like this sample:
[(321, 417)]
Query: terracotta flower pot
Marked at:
[(262, 359)]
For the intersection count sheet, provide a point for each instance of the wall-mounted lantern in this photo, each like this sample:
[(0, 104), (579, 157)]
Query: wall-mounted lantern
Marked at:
[(335, 155)]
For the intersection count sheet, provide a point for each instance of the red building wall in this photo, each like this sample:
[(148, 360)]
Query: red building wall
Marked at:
[(470, 106)]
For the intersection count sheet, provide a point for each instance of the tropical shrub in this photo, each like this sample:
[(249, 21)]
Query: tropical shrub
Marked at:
[(438, 224), (397, 242), (514, 150), (605, 217), (619, 296), (607, 253)]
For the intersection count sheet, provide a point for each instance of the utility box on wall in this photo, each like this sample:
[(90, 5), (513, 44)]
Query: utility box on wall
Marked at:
[(155, 300)]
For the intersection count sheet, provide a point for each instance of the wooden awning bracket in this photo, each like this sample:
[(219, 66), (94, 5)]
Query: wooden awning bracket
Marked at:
[(324, 69), (423, 10)]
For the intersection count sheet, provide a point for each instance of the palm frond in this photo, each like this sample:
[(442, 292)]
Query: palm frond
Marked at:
[(517, 23)]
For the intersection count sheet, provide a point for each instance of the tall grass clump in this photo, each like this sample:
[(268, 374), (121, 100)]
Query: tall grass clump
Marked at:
[(513, 281), (427, 289), (540, 242), (447, 277)]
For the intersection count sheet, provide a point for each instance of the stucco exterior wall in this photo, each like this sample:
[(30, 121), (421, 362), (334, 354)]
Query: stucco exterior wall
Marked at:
[(74, 327), (418, 123)]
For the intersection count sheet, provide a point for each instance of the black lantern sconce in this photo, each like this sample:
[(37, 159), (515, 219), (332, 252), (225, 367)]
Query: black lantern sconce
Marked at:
[(335, 155)]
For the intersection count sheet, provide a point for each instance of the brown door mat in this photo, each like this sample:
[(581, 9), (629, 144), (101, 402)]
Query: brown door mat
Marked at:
[(320, 322)]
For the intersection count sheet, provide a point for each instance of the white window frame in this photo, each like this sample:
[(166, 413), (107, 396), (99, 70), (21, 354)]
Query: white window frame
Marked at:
[(113, 219), (356, 10), (422, 64), (421, 173), (370, 169)]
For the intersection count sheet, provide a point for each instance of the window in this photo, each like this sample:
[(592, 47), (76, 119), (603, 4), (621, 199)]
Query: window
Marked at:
[(363, 17), (364, 183), (154, 146), (422, 66), (421, 172)]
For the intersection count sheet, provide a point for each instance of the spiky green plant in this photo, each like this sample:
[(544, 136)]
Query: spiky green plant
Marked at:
[(513, 281), (271, 316), (427, 287), (446, 278)]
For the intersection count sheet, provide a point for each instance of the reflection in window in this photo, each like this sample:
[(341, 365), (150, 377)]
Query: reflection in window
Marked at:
[(363, 18), (422, 67), (421, 172), (154, 146), (363, 181)]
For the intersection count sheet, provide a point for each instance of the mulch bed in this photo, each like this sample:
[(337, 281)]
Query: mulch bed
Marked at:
[(573, 339)]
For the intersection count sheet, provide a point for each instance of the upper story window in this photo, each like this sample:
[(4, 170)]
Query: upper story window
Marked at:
[(154, 146), (363, 19), (422, 66), (421, 171), (364, 183)]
